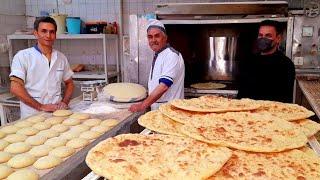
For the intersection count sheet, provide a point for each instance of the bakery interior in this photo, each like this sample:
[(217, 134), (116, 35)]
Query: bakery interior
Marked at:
[(106, 46)]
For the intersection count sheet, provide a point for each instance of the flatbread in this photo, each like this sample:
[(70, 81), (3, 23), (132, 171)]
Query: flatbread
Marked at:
[(293, 164), (62, 112), (214, 104), (179, 115), (208, 85), (286, 111), (136, 156), (125, 92), (308, 127), (246, 131), (156, 121)]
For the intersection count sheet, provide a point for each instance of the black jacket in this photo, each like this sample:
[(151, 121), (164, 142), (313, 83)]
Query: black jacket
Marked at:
[(267, 77)]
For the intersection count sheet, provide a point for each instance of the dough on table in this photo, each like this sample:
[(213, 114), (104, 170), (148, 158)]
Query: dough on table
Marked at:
[(62, 151), (3, 144), (28, 131), (23, 124), (70, 135), (36, 119), (101, 129), (10, 129), (40, 151), (125, 92), (56, 142), (13, 138), (77, 143), (55, 120), (36, 140), (16, 148), (92, 122), (80, 128), (71, 122), (47, 162), (4, 156), (80, 116), (90, 135), (109, 122), (24, 174), (62, 112), (2, 134), (42, 125), (5, 171), (21, 160), (60, 128), (49, 133)]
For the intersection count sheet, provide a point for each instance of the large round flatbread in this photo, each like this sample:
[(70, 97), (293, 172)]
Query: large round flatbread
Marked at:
[(4, 156), (208, 85), (125, 92), (25, 174), (5, 171), (286, 111), (179, 115), (47, 162), (246, 131), (62, 112), (308, 127), (16, 148), (36, 140), (21, 160), (155, 157), (156, 121), (293, 164), (10, 129), (214, 104), (39, 151), (13, 138)]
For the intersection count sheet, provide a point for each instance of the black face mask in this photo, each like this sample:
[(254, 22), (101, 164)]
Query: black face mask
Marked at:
[(264, 44)]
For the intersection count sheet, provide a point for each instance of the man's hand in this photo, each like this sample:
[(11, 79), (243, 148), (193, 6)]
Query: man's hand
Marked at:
[(48, 107), (137, 107), (62, 105)]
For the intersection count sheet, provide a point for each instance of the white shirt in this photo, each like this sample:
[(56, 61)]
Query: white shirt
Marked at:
[(42, 82), (168, 68)]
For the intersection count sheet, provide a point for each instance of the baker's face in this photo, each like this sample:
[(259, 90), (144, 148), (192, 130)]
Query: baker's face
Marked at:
[(269, 32), (157, 39), (46, 34)]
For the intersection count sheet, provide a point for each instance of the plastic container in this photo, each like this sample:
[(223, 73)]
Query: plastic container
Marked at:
[(61, 22), (73, 25)]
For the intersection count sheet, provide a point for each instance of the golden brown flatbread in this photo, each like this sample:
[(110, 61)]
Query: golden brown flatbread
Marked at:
[(292, 164), (136, 156), (308, 127), (246, 131), (208, 86)]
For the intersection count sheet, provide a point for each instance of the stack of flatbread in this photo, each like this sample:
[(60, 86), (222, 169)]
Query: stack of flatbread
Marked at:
[(242, 139)]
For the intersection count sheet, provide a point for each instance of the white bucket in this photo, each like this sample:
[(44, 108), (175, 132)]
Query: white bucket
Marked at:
[(61, 22)]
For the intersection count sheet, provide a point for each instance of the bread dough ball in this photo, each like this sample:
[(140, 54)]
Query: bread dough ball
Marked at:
[(77, 143), (90, 135), (2, 134), (13, 138), (5, 171), (28, 131), (16, 148), (4, 156), (70, 135), (100, 129), (24, 174), (62, 151), (125, 92), (36, 119), (80, 128), (47, 162), (36, 140), (80, 116), (56, 142), (71, 122), (23, 124), (49, 133), (109, 122), (42, 125), (40, 151), (55, 120), (62, 112), (3, 144), (60, 128), (21, 160), (10, 129), (92, 122)]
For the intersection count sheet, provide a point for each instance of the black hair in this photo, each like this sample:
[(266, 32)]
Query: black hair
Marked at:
[(272, 23), (45, 19)]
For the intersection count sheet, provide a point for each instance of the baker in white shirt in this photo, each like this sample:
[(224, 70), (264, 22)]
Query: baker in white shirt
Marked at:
[(38, 72), (166, 78)]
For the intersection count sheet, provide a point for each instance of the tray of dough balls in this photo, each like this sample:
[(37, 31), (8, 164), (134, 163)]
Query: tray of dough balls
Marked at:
[(31, 148)]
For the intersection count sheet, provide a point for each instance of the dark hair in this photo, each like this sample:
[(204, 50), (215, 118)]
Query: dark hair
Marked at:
[(272, 23), (45, 19)]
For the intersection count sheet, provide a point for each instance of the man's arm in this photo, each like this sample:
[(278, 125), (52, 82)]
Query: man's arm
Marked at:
[(63, 104), (152, 98), (17, 88)]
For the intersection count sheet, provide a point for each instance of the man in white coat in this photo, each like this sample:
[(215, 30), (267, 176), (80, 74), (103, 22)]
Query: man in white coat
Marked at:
[(166, 78), (38, 72)]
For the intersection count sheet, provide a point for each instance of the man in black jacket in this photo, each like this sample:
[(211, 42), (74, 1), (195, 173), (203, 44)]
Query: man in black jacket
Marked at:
[(269, 74)]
